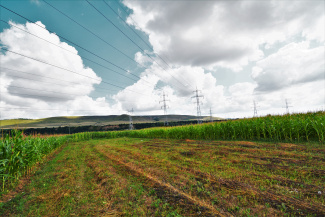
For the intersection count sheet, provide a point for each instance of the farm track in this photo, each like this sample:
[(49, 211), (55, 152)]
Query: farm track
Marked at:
[(167, 190), (274, 199), (155, 177)]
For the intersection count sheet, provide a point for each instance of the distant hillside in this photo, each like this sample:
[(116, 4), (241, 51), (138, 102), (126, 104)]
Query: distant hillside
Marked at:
[(89, 120)]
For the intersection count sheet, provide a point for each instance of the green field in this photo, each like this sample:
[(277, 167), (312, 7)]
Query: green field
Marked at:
[(270, 166), (155, 177)]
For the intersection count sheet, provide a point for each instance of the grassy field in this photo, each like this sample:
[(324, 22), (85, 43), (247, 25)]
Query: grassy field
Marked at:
[(17, 122), (159, 177), (197, 170)]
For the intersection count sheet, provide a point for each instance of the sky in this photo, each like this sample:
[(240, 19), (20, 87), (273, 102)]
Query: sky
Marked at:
[(71, 58)]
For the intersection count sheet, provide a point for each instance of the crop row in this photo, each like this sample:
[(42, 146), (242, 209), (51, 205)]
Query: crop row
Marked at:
[(18, 155), (287, 128)]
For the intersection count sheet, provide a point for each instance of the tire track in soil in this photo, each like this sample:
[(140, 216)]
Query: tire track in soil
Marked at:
[(166, 190), (92, 162), (275, 200)]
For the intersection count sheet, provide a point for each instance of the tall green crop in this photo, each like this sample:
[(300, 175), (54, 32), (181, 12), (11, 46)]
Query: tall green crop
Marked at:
[(297, 127), (19, 154), (289, 128)]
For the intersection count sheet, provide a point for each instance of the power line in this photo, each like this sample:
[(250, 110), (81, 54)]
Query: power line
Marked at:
[(48, 90), (60, 36), (27, 88), (49, 78), (69, 70), (36, 109), (91, 32), (139, 35), (135, 31), (78, 54), (72, 43), (127, 24), (69, 51), (97, 37), (33, 95), (132, 41), (36, 81), (14, 70), (36, 95)]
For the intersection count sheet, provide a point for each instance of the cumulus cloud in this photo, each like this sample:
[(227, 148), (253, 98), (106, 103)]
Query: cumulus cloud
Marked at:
[(292, 64), (178, 94), (278, 43), (302, 97), (141, 96), (223, 33), (29, 83), (202, 36)]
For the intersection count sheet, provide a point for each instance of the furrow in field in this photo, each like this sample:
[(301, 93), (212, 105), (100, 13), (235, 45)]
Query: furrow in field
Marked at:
[(164, 186), (274, 199)]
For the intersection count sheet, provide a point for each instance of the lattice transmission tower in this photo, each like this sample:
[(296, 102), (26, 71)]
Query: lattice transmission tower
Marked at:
[(255, 108), (287, 105), (198, 109), (131, 127), (164, 106), (211, 120)]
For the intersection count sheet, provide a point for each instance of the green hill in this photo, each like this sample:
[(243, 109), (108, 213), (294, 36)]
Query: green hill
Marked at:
[(89, 120)]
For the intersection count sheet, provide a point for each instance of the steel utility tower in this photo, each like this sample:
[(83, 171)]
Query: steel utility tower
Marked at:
[(131, 121), (287, 106), (197, 96), (165, 106), (211, 115)]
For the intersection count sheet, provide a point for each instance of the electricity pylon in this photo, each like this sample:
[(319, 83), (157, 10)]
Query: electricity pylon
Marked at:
[(130, 119), (164, 106), (211, 115), (287, 106), (255, 108), (198, 109)]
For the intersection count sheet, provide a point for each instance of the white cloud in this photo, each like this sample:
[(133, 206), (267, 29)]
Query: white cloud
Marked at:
[(141, 96), (292, 64), (198, 39), (29, 83), (179, 96), (302, 97), (142, 59), (37, 2), (223, 33)]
